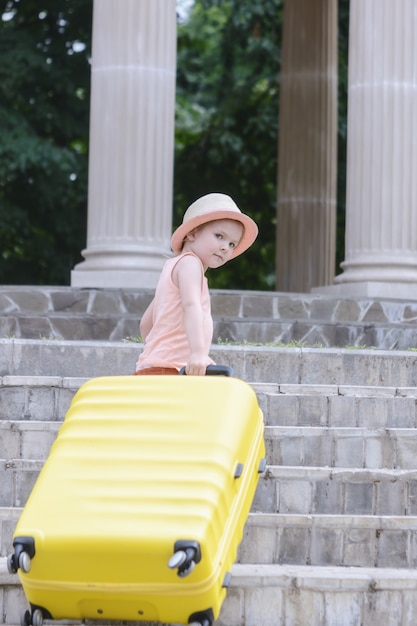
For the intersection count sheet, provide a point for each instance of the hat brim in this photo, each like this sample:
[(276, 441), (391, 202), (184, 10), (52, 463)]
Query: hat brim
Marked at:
[(250, 229)]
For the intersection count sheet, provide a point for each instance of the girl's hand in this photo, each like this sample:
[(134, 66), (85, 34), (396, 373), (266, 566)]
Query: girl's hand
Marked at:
[(197, 366)]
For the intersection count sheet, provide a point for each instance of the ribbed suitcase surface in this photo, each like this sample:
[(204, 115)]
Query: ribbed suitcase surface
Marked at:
[(140, 464)]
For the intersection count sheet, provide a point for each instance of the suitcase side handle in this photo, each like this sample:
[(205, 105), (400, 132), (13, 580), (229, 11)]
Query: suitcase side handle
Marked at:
[(213, 370)]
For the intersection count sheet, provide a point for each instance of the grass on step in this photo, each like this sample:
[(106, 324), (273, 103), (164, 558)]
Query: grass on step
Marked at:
[(271, 344), (228, 342)]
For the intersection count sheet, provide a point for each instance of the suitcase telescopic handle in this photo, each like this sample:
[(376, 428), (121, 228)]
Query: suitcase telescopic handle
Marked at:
[(214, 370)]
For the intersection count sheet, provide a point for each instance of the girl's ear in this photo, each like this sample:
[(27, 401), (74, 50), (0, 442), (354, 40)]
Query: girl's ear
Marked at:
[(191, 235)]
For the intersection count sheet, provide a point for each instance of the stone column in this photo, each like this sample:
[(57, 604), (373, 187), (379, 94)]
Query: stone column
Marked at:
[(131, 144), (307, 148), (381, 193)]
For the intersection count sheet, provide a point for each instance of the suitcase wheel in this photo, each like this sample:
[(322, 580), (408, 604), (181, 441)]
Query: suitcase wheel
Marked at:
[(23, 561), (202, 618), (25, 564), (11, 566), (32, 619), (184, 563), (177, 559), (186, 569), (26, 619), (37, 618), (186, 555), (24, 551)]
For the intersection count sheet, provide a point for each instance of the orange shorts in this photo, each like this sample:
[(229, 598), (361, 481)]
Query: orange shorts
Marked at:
[(157, 371)]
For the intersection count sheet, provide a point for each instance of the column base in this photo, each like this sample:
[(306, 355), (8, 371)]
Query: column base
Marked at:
[(121, 268), (370, 289), (115, 279)]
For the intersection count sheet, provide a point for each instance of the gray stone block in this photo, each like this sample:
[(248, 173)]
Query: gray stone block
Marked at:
[(8, 521), (359, 547), (342, 411), (358, 498), (294, 496), (294, 546), (313, 410), (7, 485), (12, 403), (390, 496), (282, 410), (328, 497)]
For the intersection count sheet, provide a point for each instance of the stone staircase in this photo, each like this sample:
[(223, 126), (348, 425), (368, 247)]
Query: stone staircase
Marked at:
[(255, 317), (332, 536)]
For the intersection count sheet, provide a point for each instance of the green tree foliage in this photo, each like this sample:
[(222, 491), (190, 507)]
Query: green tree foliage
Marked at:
[(227, 121), (342, 129), (44, 109)]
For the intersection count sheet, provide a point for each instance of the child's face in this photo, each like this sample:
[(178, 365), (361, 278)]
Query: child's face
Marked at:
[(214, 242)]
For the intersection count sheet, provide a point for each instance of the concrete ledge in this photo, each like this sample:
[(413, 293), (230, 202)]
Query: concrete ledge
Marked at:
[(321, 446), (336, 491), (284, 595), (330, 540), (87, 359), (329, 578), (336, 308), (319, 596), (390, 448)]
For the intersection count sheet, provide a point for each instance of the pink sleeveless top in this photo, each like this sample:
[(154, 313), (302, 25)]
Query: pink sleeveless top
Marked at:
[(166, 344)]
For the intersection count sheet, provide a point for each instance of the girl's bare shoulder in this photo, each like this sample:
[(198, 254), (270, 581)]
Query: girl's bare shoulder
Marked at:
[(188, 266)]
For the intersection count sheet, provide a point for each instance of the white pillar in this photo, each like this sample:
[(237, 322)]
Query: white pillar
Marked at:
[(131, 144), (381, 201)]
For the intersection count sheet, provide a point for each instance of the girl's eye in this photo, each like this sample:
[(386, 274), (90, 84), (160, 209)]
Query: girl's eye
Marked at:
[(232, 245)]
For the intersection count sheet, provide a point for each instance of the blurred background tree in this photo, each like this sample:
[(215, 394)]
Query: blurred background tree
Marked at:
[(227, 121), (44, 115), (226, 129)]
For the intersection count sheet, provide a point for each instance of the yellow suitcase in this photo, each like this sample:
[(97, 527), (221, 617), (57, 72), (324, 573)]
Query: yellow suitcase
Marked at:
[(140, 507)]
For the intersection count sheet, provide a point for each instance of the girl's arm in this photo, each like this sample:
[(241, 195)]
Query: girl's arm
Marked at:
[(188, 274), (146, 323)]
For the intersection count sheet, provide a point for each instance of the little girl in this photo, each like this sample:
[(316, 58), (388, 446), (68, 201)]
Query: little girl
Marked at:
[(177, 327)]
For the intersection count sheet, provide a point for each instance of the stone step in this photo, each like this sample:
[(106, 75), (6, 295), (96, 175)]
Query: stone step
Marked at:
[(325, 540), (45, 300), (342, 447), (258, 364), (256, 330), (315, 333), (293, 446), (48, 398), (318, 540), (38, 398), (282, 489), (339, 406), (286, 595), (337, 491), (27, 439), (112, 315)]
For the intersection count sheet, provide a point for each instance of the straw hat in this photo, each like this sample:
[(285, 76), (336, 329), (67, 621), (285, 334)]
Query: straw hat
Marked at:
[(215, 206)]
